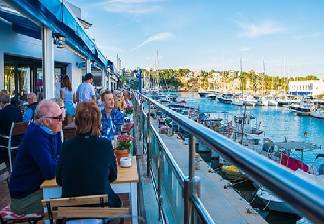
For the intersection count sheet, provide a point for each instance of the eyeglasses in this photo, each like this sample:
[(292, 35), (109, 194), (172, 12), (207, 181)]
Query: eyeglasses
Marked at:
[(59, 117)]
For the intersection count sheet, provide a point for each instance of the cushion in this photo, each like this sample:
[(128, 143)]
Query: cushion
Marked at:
[(7, 215)]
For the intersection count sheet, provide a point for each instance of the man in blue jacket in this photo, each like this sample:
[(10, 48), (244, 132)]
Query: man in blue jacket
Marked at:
[(36, 158)]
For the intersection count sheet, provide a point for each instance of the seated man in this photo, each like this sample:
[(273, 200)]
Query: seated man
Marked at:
[(32, 104), (111, 117), (8, 114), (36, 158)]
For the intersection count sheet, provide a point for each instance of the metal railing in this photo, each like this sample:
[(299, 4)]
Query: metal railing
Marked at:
[(302, 195)]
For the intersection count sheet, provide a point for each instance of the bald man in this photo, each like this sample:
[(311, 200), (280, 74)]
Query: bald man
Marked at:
[(36, 158), (32, 104)]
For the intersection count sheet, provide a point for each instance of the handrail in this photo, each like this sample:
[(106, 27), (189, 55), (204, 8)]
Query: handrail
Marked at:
[(301, 194), (178, 172), (203, 213)]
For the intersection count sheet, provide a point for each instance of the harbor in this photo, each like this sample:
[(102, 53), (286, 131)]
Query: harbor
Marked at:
[(270, 127), (144, 112)]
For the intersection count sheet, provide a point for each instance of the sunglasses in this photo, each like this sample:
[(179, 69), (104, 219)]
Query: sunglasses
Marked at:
[(59, 117)]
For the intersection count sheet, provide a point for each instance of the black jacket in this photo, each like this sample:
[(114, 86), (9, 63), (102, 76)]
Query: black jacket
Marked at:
[(87, 166), (8, 115)]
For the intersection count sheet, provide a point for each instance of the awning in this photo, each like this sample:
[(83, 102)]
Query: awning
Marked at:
[(56, 16), (21, 24)]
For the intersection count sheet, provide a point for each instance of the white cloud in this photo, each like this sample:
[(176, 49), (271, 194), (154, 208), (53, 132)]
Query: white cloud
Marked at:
[(307, 36), (253, 30), (130, 6), (164, 36)]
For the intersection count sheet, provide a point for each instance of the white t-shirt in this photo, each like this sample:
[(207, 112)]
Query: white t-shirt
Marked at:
[(86, 91)]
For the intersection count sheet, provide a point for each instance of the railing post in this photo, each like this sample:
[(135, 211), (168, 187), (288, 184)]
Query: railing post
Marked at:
[(196, 191), (140, 121), (186, 204), (192, 152), (148, 142), (160, 201)]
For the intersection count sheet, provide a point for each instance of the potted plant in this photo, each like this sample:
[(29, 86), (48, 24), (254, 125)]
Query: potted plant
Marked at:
[(124, 143), (129, 110)]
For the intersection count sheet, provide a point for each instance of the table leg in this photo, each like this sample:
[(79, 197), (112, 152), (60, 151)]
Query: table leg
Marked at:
[(133, 202)]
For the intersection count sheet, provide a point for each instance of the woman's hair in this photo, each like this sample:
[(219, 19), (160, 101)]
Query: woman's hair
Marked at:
[(88, 119), (67, 82)]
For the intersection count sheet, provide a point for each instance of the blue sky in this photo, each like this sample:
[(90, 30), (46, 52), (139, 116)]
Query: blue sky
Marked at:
[(287, 34)]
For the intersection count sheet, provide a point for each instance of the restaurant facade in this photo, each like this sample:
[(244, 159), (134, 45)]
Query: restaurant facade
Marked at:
[(35, 56)]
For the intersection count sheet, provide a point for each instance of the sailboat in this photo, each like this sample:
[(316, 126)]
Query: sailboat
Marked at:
[(238, 99), (262, 100)]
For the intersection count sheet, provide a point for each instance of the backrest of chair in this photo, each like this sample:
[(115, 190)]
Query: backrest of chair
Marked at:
[(76, 201), (4, 173), (66, 208), (18, 128), (90, 212)]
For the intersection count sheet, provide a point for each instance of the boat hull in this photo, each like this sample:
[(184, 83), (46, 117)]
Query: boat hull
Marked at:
[(317, 114), (274, 203)]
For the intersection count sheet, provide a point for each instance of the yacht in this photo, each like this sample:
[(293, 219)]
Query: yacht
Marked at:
[(306, 107), (203, 94), (226, 98), (249, 101), (319, 113), (237, 100), (272, 102), (261, 101), (211, 96)]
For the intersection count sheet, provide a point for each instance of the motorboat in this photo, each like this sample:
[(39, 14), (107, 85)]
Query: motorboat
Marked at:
[(314, 173), (249, 101), (306, 107), (261, 101), (238, 101), (272, 102), (211, 96), (226, 98), (203, 94), (319, 113)]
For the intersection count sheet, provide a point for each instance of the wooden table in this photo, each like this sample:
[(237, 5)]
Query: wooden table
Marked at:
[(126, 182)]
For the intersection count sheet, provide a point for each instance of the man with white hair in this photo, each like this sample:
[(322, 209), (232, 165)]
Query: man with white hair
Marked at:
[(32, 104), (36, 158)]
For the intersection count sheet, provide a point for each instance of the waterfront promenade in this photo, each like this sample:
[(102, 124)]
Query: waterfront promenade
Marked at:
[(222, 202)]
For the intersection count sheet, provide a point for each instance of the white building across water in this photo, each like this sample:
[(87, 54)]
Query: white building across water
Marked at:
[(305, 88), (40, 43)]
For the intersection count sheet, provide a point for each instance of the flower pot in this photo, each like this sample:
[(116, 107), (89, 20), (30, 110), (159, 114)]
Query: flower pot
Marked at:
[(121, 153)]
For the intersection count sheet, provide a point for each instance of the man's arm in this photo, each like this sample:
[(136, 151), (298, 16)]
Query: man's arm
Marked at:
[(40, 153)]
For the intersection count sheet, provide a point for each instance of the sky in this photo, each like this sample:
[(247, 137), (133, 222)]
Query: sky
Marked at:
[(288, 35)]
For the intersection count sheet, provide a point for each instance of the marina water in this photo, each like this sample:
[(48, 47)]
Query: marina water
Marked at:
[(278, 124)]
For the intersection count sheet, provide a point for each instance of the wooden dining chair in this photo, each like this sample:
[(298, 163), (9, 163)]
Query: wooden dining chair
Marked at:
[(69, 208), (17, 129)]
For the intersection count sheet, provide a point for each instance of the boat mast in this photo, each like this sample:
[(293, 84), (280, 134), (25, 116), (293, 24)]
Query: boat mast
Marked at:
[(241, 76), (263, 82)]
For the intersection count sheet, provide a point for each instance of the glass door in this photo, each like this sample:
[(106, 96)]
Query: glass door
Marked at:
[(9, 79)]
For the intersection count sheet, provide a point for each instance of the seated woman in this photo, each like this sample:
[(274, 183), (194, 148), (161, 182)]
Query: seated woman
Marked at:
[(87, 164)]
